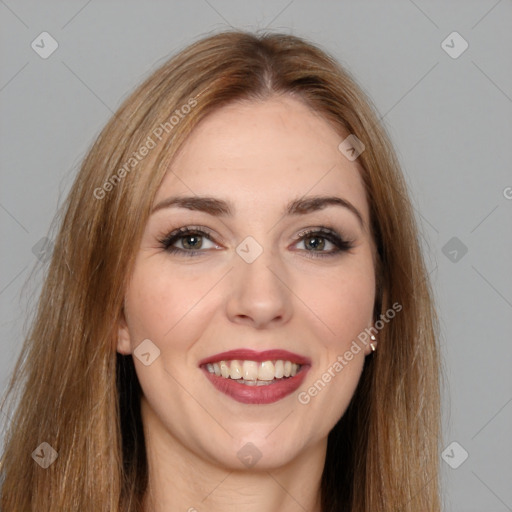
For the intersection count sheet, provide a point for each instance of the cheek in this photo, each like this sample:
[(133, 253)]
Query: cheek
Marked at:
[(164, 304), (345, 305), (160, 305), (343, 302)]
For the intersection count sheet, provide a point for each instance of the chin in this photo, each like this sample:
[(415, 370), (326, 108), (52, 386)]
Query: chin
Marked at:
[(259, 451)]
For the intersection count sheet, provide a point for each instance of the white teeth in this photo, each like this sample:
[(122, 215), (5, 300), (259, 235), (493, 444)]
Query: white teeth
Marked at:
[(250, 370), (266, 371), (236, 370), (279, 369), (224, 369)]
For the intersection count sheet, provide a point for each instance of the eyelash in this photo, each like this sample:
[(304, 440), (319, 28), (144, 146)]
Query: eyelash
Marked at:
[(321, 232)]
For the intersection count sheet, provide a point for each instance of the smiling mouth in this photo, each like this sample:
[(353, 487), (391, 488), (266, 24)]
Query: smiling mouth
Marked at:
[(256, 378), (254, 373)]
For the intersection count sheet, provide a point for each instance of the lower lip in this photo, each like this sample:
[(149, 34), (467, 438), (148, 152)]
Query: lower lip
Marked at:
[(265, 394)]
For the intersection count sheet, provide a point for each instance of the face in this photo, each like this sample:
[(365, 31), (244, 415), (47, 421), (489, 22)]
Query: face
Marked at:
[(250, 311)]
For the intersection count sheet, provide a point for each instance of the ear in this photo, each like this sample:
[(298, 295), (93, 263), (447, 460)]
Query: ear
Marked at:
[(124, 345)]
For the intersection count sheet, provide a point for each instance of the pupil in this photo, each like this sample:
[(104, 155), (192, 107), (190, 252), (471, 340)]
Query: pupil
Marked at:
[(192, 245), (317, 244)]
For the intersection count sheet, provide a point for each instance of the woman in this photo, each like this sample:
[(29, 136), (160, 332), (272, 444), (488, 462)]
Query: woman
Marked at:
[(237, 313)]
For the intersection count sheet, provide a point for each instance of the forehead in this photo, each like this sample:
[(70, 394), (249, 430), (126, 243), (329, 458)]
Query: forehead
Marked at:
[(264, 153)]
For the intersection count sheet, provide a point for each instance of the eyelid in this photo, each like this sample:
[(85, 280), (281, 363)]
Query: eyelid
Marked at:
[(320, 229)]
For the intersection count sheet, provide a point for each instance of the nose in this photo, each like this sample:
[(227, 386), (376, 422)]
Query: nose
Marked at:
[(259, 293)]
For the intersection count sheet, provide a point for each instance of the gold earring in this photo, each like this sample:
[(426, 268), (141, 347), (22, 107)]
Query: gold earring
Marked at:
[(374, 343)]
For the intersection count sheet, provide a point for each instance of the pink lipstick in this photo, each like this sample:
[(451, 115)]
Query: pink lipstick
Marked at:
[(252, 377)]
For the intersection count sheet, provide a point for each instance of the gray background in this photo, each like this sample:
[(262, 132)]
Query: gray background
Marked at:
[(450, 120)]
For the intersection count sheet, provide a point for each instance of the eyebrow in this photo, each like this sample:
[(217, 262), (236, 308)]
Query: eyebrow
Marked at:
[(221, 208)]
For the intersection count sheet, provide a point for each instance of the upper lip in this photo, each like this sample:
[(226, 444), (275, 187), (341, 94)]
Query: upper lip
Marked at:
[(252, 355)]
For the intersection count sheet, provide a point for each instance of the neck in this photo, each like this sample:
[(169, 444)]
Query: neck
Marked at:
[(180, 480)]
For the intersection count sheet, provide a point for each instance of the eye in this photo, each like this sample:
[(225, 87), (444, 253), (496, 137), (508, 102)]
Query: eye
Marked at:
[(315, 241), (190, 238)]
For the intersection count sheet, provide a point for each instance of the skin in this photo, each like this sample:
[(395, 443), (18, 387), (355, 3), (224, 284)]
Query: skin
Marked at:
[(259, 155)]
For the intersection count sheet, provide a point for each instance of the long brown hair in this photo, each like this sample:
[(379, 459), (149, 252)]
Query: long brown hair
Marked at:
[(81, 397)]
